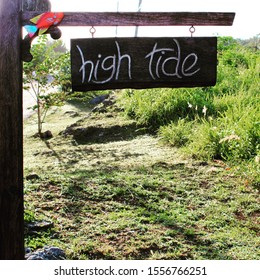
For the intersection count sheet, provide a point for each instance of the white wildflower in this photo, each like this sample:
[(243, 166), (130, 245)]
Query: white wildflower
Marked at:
[(204, 110)]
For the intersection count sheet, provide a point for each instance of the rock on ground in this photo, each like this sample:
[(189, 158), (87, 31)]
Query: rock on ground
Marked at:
[(47, 253)]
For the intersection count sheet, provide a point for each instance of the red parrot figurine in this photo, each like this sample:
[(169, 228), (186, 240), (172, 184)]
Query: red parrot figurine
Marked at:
[(43, 22)]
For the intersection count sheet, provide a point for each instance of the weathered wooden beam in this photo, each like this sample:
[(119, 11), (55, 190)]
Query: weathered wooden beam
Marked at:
[(141, 19), (11, 133)]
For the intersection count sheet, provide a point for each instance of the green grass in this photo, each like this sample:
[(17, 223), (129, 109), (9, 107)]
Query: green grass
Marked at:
[(132, 197), (220, 122)]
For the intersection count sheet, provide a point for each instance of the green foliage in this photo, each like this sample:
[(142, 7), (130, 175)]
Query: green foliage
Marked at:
[(220, 122), (156, 107), (234, 136), (44, 75), (226, 43), (29, 216), (253, 43), (177, 133)]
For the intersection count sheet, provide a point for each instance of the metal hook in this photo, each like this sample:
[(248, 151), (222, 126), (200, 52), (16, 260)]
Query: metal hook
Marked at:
[(92, 31), (192, 30)]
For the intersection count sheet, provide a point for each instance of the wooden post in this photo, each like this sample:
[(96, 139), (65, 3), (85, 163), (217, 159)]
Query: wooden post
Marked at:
[(11, 133), (36, 5), (11, 126)]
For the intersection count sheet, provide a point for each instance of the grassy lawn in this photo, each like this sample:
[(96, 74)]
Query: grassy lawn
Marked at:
[(114, 191)]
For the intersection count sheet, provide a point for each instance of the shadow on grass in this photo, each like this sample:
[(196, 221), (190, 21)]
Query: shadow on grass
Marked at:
[(152, 206), (99, 134), (156, 196)]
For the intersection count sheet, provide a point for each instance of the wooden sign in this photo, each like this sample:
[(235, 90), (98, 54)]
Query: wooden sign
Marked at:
[(116, 63)]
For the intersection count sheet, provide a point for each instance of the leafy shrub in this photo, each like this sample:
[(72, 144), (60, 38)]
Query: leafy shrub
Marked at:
[(177, 133), (214, 122), (156, 107), (235, 136)]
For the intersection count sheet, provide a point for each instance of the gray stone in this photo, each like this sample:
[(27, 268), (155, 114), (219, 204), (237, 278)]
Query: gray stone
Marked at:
[(99, 99), (47, 253)]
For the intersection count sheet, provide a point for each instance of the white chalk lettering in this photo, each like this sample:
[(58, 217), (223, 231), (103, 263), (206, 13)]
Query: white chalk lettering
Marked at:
[(108, 66), (184, 71), (168, 62), (83, 67), (120, 58)]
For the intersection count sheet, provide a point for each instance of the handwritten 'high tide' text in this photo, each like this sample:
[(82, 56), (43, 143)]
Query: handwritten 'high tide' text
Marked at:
[(162, 63)]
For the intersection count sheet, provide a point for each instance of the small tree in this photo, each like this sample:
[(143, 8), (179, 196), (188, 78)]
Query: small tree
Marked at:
[(41, 77)]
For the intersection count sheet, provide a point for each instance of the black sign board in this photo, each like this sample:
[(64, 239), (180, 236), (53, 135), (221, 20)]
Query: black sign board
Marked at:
[(116, 63)]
